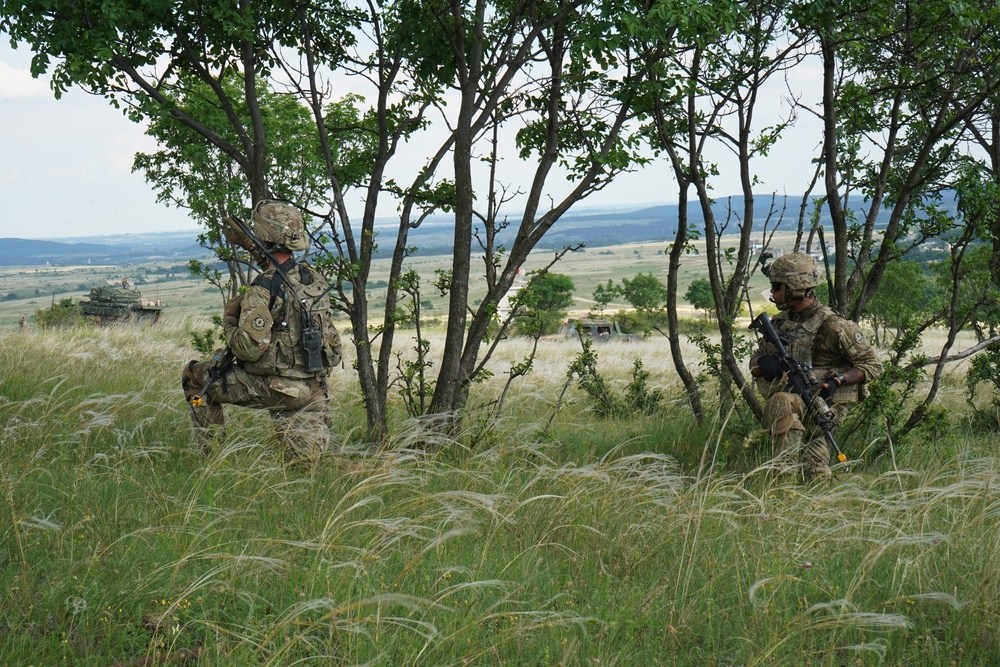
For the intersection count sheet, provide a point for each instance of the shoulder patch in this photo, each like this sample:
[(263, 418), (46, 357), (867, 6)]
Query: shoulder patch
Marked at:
[(256, 322), (859, 337)]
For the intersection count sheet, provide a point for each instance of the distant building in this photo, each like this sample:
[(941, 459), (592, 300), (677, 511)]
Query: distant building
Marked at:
[(504, 308)]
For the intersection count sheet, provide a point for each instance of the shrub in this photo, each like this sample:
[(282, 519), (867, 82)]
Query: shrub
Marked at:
[(64, 313)]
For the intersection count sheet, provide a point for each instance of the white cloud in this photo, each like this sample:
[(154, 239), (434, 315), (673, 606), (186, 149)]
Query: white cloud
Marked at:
[(18, 84)]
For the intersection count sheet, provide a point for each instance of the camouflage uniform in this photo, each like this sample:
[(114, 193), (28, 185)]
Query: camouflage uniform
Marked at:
[(820, 338), (263, 327)]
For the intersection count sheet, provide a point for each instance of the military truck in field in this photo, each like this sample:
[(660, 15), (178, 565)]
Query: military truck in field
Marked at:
[(597, 329), (108, 305)]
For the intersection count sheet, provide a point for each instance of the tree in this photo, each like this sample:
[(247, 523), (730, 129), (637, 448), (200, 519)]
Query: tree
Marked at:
[(905, 294), (197, 175), (901, 83), (705, 96), (542, 304), (905, 86), (604, 295), (647, 295), (970, 296), (558, 82), (699, 294), (644, 292)]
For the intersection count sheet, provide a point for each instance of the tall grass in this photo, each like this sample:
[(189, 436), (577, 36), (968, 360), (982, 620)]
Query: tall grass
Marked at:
[(597, 545)]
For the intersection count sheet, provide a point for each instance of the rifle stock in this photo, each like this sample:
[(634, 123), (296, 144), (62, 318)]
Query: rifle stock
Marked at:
[(799, 382)]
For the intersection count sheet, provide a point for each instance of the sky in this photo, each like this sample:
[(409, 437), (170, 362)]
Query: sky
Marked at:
[(66, 165)]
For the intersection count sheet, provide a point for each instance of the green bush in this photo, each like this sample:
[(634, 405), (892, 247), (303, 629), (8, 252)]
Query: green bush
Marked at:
[(63, 314)]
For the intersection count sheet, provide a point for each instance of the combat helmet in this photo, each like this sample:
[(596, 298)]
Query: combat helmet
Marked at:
[(279, 225), (797, 270)]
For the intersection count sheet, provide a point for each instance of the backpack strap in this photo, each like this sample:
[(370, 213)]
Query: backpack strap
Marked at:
[(272, 284)]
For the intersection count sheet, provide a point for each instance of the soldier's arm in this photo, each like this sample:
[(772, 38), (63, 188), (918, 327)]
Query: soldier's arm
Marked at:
[(231, 314), (248, 332), (853, 345)]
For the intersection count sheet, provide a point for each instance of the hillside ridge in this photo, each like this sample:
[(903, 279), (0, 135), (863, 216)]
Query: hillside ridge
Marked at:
[(594, 228)]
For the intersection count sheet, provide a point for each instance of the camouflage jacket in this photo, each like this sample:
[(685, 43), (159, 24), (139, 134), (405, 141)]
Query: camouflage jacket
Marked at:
[(827, 342), (263, 326)]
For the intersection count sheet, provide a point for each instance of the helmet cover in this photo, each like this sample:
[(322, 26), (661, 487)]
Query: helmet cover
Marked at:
[(796, 270), (280, 225)]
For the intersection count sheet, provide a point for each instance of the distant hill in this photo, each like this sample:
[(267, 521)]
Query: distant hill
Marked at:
[(595, 228), (623, 225), (115, 249), (20, 251)]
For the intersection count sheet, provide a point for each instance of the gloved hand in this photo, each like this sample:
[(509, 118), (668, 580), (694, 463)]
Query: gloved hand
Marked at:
[(770, 367), (830, 387)]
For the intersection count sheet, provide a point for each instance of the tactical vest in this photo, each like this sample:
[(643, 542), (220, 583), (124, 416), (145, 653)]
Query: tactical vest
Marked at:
[(801, 344), (290, 305)]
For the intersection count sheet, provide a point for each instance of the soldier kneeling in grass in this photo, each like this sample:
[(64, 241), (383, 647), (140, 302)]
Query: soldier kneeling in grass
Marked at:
[(835, 350)]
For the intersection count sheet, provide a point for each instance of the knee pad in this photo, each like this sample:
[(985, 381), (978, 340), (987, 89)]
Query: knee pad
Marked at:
[(782, 413), (189, 378)]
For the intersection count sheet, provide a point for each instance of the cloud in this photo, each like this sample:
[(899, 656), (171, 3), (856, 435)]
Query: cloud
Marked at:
[(18, 84)]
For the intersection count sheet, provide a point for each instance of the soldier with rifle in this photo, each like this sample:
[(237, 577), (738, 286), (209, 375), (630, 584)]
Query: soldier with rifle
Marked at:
[(811, 365), (282, 343)]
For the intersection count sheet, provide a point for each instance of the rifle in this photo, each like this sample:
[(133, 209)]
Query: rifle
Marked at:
[(797, 375), (219, 368), (234, 234)]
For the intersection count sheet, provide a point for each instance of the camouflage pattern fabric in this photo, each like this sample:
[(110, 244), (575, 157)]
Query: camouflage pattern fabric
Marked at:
[(821, 338), (267, 338), (280, 224), (263, 327), (299, 408), (797, 442), (797, 270)]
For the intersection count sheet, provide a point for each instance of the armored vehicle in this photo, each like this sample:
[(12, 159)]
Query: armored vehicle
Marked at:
[(107, 305), (598, 330)]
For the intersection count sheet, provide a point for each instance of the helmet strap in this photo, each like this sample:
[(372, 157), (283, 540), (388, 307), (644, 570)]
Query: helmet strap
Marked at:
[(793, 297), (797, 297)]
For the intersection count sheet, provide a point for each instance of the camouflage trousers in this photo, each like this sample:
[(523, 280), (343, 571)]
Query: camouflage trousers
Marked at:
[(798, 443), (299, 408)]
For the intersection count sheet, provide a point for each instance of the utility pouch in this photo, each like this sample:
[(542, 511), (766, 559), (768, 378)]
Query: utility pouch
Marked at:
[(312, 343)]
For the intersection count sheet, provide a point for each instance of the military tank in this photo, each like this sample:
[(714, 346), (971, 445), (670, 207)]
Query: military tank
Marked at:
[(108, 305)]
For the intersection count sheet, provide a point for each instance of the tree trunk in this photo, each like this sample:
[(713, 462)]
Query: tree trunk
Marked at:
[(691, 388)]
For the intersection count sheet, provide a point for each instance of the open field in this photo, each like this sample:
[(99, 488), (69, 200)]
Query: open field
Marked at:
[(538, 535), (37, 287), (651, 540), (186, 297)]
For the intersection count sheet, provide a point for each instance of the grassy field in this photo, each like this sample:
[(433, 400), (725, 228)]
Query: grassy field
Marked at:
[(647, 541)]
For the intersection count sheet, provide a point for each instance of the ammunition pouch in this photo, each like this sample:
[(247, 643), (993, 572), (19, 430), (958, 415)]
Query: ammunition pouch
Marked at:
[(848, 393)]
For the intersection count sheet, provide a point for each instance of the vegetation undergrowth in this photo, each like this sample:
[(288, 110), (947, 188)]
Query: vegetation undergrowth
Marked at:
[(634, 541)]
